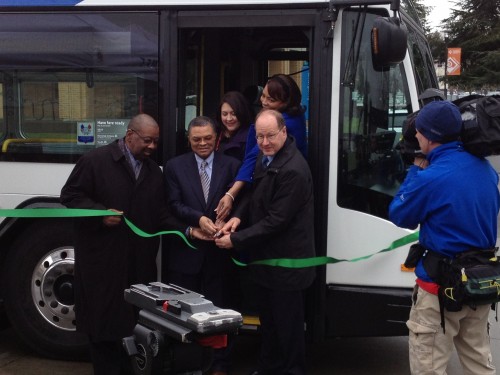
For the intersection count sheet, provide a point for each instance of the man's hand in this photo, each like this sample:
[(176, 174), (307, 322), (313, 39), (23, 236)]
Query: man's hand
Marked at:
[(421, 162), (111, 221), (208, 226), (231, 226), (224, 242), (200, 235)]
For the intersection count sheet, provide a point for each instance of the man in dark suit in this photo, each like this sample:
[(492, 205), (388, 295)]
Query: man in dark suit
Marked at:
[(279, 223), (109, 257), (196, 181)]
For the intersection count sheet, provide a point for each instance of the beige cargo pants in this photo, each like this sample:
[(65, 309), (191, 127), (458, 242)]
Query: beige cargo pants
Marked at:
[(430, 348)]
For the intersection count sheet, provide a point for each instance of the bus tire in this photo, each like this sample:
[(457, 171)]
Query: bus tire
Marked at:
[(38, 286)]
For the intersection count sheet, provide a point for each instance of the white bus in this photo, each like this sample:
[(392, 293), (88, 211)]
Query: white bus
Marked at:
[(73, 73)]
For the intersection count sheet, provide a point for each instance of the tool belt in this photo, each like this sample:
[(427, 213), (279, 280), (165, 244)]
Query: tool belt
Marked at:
[(471, 278)]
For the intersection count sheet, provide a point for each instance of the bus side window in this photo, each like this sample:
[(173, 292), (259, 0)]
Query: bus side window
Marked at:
[(75, 90)]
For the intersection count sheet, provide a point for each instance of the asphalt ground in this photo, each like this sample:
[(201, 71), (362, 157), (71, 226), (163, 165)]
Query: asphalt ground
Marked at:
[(346, 356)]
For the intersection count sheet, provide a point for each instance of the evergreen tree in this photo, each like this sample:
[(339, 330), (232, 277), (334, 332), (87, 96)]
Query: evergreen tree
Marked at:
[(418, 11), (474, 26), (437, 46)]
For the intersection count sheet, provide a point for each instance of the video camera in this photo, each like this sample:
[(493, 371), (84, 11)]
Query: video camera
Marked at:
[(408, 146), (177, 329), (480, 132)]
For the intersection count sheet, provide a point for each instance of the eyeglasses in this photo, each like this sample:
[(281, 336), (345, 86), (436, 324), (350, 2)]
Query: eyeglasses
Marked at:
[(146, 140), (270, 137)]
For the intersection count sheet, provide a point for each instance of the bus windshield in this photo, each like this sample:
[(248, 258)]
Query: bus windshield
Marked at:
[(374, 105)]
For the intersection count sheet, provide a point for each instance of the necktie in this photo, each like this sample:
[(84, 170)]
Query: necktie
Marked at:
[(137, 168), (205, 179), (265, 161)]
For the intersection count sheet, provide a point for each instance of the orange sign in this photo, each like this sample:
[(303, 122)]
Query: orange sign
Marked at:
[(454, 61)]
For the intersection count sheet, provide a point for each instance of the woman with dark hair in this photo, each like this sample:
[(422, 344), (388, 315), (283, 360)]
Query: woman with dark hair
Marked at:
[(234, 117), (280, 93)]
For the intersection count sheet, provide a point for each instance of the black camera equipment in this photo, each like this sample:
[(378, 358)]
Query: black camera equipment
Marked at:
[(480, 132), (481, 124), (177, 329), (408, 145)]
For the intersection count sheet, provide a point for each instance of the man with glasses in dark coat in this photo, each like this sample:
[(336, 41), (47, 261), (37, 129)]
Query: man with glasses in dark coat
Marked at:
[(109, 257), (278, 222)]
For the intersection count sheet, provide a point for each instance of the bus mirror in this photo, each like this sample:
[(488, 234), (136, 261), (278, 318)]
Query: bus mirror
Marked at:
[(389, 40)]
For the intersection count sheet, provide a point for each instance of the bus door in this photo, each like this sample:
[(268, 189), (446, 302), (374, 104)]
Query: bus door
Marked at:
[(219, 51)]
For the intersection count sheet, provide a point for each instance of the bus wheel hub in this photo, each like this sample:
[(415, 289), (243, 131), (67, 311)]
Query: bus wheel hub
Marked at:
[(52, 288)]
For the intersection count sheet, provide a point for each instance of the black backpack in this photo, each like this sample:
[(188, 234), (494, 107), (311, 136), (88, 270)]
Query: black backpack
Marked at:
[(480, 124)]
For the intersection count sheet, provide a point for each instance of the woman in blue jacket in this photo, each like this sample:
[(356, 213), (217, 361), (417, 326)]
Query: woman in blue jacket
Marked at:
[(282, 94)]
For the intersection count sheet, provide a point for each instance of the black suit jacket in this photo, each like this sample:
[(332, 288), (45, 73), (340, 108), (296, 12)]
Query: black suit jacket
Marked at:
[(186, 202), (280, 219)]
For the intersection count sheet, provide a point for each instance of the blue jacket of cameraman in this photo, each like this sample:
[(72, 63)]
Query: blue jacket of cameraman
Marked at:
[(455, 200)]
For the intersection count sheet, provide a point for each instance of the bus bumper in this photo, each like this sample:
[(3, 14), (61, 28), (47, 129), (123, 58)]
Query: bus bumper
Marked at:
[(359, 311)]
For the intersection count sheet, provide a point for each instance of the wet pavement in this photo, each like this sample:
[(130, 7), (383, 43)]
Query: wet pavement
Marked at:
[(353, 356)]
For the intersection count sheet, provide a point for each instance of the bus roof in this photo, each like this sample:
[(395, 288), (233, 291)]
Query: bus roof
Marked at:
[(45, 3)]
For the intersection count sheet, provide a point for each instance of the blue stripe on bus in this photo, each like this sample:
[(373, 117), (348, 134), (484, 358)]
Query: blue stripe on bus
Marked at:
[(39, 2)]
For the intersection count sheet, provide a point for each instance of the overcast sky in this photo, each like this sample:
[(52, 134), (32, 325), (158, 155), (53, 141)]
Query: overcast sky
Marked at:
[(440, 11)]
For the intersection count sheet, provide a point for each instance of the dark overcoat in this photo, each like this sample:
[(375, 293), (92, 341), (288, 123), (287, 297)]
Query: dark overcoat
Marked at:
[(109, 259), (279, 220)]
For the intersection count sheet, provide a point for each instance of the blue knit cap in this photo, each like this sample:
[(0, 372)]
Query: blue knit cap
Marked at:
[(439, 121)]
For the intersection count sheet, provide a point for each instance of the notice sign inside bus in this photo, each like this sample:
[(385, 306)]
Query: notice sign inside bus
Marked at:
[(85, 133), (108, 130)]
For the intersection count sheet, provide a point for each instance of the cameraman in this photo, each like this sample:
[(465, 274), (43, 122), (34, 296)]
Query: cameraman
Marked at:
[(454, 197)]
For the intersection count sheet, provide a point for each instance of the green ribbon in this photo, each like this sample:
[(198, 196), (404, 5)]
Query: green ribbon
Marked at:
[(281, 262), (79, 212), (319, 261)]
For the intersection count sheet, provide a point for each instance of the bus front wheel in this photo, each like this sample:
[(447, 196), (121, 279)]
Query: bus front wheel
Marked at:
[(38, 285)]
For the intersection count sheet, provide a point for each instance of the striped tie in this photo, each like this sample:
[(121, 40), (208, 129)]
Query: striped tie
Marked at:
[(205, 179)]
